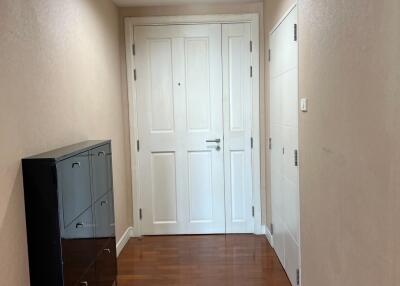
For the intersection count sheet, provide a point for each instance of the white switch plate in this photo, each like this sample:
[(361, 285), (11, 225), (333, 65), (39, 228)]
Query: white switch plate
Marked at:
[(304, 104)]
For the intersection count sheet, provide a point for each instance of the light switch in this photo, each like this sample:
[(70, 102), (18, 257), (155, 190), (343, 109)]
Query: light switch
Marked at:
[(303, 104)]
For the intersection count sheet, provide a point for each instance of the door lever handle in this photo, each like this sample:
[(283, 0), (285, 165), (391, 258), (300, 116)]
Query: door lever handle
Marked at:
[(214, 141)]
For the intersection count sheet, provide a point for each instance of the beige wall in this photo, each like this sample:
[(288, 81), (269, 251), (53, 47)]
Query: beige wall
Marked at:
[(349, 140), (60, 83), (206, 9), (273, 12)]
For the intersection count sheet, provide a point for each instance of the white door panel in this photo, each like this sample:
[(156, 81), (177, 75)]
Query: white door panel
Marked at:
[(284, 135), (291, 258), (179, 90), (236, 59)]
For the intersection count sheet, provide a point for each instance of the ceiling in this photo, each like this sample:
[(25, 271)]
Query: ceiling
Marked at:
[(132, 3)]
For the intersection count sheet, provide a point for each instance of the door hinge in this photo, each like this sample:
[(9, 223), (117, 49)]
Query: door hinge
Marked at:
[(272, 229), (251, 71), (140, 214), (296, 158), (251, 142), (134, 49), (252, 211), (251, 46), (134, 74), (138, 145), (269, 55), (295, 32), (298, 276), (270, 143)]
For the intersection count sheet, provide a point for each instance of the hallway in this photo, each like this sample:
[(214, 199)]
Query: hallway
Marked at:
[(243, 260)]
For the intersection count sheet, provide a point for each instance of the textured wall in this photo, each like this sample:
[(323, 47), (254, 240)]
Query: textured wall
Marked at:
[(209, 9), (273, 12), (60, 83), (349, 142)]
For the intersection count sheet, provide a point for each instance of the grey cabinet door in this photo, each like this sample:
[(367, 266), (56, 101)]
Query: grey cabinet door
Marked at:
[(102, 212), (101, 171), (81, 227), (74, 186), (104, 217)]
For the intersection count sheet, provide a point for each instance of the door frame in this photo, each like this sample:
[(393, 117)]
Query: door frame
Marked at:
[(253, 20), (275, 27)]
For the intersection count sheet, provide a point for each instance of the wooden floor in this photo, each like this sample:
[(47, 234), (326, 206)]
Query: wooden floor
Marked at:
[(243, 260)]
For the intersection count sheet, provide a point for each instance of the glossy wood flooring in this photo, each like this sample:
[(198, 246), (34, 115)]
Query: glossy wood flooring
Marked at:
[(242, 260)]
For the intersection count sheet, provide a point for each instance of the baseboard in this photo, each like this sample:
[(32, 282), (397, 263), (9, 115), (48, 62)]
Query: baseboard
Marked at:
[(124, 240), (262, 230), (269, 236)]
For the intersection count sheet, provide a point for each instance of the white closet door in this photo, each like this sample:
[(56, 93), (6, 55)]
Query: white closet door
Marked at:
[(237, 127), (284, 135), (179, 97)]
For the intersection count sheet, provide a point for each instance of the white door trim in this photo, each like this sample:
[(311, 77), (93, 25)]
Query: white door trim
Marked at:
[(130, 24)]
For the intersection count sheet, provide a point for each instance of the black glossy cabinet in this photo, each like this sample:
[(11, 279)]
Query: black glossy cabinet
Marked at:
[(69, 205)]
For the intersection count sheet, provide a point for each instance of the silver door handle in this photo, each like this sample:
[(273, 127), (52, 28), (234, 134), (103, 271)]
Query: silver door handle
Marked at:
[(214, 141)]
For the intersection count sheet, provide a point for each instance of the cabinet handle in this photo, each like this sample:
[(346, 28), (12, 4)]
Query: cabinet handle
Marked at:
[(84, 283), (107, 250), (79, 225), (103, 203), (76, 164), (101, 153)]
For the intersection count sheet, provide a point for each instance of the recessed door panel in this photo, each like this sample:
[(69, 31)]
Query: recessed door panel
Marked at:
[(161, 96), (237, 94), (163, 176), (238, 186), (197, 74), (200, 186)]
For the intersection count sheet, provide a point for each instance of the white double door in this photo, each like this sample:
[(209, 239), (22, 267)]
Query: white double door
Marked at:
[(284, 148), (194, 105)]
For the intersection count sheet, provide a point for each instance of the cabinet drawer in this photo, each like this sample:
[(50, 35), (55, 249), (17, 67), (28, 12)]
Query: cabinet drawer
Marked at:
[(74, 186), (104, 217), (101, 171), (81, 227), (89, 279), (106, 265)]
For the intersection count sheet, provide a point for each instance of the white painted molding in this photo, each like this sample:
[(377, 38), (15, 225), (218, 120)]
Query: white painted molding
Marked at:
[(124, 240), (269, 236), (261, 230)]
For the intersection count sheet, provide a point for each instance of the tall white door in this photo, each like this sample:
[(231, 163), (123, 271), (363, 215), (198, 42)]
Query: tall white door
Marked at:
[(179, 97), (284, 143), (236, 58), (181, 101)]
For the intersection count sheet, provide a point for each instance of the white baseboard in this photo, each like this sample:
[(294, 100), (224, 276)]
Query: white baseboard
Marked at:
[(262, 230), (269, 236), (124, 240)]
